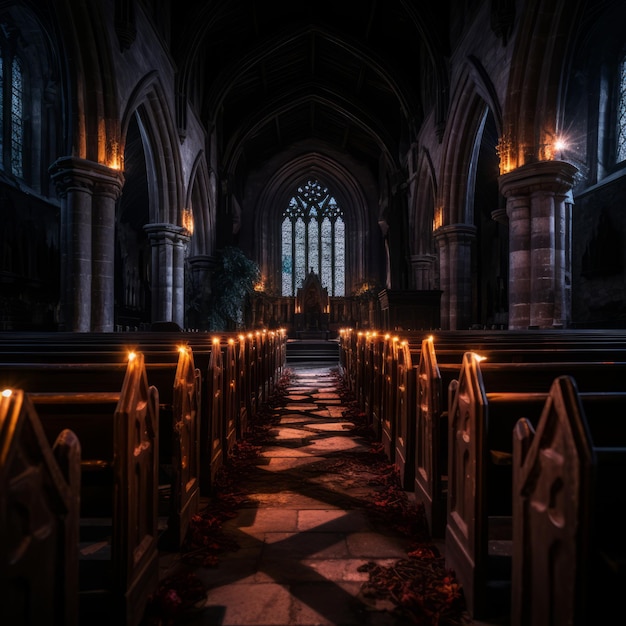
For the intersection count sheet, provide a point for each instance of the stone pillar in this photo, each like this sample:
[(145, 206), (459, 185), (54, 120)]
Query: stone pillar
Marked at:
[(563, 260), (165, 238), (107, 189), (178, 284), (455, 265), (422, 265), (539, 227), (200, 267), (88, 192), (518, 211)]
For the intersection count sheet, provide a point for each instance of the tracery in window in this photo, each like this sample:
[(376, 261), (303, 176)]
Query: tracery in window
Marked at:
[(11, 106), (313, 239), (620, 153), (17, 118)]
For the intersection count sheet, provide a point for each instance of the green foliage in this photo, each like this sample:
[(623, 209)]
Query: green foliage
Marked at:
[(232, 283)]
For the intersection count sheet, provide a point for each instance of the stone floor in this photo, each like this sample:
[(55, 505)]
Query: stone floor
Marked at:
[(303, 532)]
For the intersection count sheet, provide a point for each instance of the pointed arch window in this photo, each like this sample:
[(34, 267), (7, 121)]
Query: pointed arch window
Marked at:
[(11, 107), (620, 152), (313, 239)]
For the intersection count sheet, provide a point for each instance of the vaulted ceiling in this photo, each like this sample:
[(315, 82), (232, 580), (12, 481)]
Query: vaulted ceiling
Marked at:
[(356, 75)]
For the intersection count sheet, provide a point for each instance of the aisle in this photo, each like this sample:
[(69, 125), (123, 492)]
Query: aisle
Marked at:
[(318, 519)]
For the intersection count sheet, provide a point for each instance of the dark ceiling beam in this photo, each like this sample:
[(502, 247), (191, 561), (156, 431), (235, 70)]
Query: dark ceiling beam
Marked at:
[(230, 75), (349, 110), (279, 139)]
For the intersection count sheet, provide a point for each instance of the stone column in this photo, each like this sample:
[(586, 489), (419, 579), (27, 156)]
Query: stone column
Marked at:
[(178, 284), (539, 227), (165, 275), (563, 260), (88, 192), (200, 266), (422, 265), (518, 211), (455, 265), (107, 189)]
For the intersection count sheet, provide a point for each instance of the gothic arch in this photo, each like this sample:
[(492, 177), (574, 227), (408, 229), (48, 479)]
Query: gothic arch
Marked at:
[(317, 95), (422, 215), (201, 201), (350, 195), (93, 130), (36, 45), (458, 226), (532, 118), (149, 103), (462, 136), (234, 72)]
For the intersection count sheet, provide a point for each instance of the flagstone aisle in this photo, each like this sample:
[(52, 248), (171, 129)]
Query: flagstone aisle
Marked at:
[(304, 532)]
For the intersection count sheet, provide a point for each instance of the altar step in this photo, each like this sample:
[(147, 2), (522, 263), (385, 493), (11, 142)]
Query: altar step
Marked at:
[(312, 350)]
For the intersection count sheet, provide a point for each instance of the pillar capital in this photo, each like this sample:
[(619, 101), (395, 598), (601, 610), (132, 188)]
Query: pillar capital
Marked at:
[(71, 173), (461, 233), (555, 177), (201, 262), (166, 233)]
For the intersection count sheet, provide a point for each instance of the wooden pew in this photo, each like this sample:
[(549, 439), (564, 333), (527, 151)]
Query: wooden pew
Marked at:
[(391, 349), (485, 403), (118, 433), (259, 357), (174, 374), (39, 502), (179, 441), (569, 545), (404, 415), (431, 438), (438, 367)]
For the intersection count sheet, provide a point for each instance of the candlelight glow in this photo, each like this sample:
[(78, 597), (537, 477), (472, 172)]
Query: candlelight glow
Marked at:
[(216, 341), (478, 357), (6, 393), (132, 355), (187, 220), (438, 218)]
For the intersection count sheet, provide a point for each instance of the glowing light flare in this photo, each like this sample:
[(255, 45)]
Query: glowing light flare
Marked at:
[(478, 357), (132, 355), (187, 220), (6, 393)]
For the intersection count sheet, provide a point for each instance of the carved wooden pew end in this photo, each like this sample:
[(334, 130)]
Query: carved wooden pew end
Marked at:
[(569, 541)]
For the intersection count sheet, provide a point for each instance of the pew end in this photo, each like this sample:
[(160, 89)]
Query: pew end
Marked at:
[(569, 557), (39, 499)]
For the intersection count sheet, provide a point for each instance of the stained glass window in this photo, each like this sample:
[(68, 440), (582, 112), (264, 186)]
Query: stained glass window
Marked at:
[(621, 114), (17, 118), (313, 239), (11, 106)]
